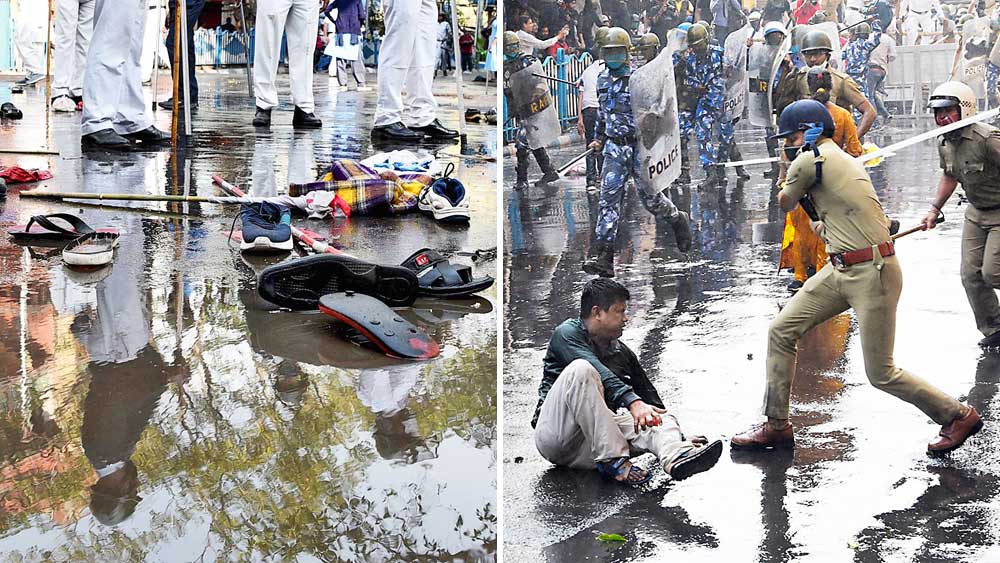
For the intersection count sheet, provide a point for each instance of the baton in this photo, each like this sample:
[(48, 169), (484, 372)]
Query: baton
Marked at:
[(869, 20), (562, 169), (554, 79), (938, 221)]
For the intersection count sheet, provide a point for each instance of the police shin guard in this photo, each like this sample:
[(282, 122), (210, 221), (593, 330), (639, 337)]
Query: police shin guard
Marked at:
[(521, 167), (772, 151), (685, 176), (549, 173), (603, 263)]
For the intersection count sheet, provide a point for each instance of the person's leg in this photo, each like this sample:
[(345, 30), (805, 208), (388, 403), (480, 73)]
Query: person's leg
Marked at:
[(269, 27), (104, 77), (151, 40), (394, 58), (358, 65), (421, 107), (665, 441), (617, 167), (84, 33), (817, 301), (63, 46), (29, 39), (342, 72), (522, 162), (194, 8), (703, 124), (301, 28), (132, 112), (982, 296), (589, 121), (575, 428), (873, 294)]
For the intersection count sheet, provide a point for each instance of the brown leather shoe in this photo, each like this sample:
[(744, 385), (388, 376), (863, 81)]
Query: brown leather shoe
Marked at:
[(955, 433), (764, 437)]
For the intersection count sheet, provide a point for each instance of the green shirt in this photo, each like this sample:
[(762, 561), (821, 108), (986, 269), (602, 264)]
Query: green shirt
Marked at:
[(846, 202), (972, 159)]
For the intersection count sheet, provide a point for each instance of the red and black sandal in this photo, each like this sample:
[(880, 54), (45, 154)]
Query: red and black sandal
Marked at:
[(440, 278), (379, 325), (42, 228)]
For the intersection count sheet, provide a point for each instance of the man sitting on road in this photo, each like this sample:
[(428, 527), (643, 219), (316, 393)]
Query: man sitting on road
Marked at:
[(589, 380)]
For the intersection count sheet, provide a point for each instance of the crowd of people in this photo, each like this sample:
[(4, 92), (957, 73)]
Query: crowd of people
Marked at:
[(105, 50)]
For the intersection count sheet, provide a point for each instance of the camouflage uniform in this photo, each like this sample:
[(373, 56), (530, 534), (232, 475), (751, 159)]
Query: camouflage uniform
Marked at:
[(856, 56), (992, 73), (686, 102), (615, 128), (703, 78)]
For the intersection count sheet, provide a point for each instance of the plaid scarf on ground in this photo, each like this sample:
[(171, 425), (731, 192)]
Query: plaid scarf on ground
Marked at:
[(365, 191)]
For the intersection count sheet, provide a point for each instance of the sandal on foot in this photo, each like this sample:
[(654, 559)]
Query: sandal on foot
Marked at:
[(379, 325), (440, 278), (696, 460), (299, 284), (617, 467), (41, 227)]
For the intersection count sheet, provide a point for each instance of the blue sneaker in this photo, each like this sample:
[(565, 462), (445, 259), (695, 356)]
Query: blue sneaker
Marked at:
[(266, 227)]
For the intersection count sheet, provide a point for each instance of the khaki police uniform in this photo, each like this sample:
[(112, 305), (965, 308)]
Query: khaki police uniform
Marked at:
[(845, 92), (973, 159), (852, 219)]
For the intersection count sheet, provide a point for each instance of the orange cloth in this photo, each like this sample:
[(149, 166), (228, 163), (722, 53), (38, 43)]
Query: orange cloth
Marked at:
[(845, 133)]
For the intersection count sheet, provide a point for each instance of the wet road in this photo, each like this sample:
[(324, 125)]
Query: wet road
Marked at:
[(236, 432), (859, 486)]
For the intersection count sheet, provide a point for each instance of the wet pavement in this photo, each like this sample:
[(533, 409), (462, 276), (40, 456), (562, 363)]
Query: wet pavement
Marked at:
[(859, 486), (236, 432)]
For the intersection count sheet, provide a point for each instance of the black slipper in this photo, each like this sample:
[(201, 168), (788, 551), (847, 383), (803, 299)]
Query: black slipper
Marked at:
[(380, 325), (696, 460), (299, 284), (41, 227), (9, 111), (440, 278)]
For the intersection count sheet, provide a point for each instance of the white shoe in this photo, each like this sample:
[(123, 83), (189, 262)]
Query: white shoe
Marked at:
[(64, 103), (364, 88), (445, 199)]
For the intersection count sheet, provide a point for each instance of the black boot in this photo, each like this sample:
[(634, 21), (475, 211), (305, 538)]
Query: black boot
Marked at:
[(682, 231), (736, 156), (149, 136), (305, 120), (603, 264), (685, 176), (521, 169), (550, 175), (262, 118), (105, 139)]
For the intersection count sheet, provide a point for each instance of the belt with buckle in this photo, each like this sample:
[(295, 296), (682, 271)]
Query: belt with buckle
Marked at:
[(843, 260), (919, 13)]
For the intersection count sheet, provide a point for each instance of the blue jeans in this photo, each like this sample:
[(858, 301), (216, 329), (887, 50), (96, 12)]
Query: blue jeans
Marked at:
[(194, 8)]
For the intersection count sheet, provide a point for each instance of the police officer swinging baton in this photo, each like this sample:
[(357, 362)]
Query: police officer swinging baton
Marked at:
[(553, 79)]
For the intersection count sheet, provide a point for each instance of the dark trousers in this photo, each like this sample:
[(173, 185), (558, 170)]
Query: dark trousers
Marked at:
[(874, 79), (594, 161), (467, 62), (721, 33), (193, 13)]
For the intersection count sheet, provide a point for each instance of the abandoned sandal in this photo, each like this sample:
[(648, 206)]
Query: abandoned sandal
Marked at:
[(615, 469), (440, 278)]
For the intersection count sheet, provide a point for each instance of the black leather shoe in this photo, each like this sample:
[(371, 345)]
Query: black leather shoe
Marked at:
[(262, 118), (435, 130), (149, 136), (105, 139), (397, 132), (169, 104), (304, 120)]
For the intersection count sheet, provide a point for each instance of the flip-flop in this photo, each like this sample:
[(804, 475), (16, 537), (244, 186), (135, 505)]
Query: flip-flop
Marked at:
[(440, 278), (696, 460), (613, 469), (91, 250), (41, 227), (10, 111), (380, 325), (299, 284)]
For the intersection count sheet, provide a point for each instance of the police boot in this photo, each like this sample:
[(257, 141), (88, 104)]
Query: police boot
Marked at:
[(772, 151), (736, 156), (681, 225), (521, 168), (685, 175), (603, 264), (720, 174), (550, 175)]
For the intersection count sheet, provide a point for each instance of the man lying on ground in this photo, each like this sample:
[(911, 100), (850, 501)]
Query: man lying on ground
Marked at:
[(596, 406)]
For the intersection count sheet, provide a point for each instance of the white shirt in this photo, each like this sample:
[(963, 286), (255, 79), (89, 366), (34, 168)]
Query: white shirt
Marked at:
[(885, 52), (587, 84), (922, 6), (529, 42), (443, 28)]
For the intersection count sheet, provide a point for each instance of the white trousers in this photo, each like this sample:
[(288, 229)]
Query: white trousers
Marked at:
[(112, 82), (74, 26), (914, 24), (406, 60), (575, 428), (30, 35), (299, 21)]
